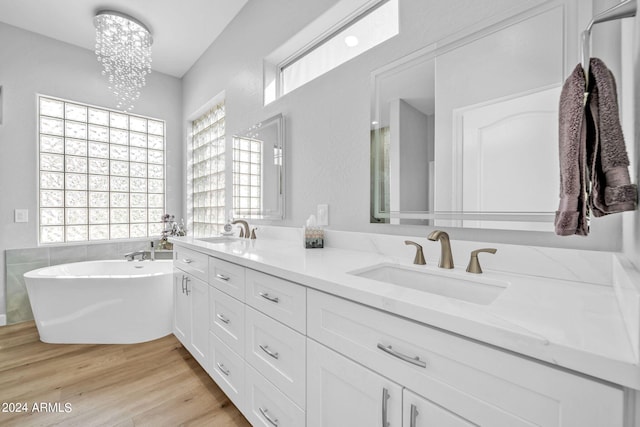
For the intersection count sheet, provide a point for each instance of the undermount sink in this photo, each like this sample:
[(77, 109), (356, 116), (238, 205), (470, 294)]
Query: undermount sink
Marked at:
[(478, 291)]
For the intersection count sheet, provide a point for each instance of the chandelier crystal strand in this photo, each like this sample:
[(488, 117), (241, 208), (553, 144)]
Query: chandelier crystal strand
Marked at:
[(123, 47)]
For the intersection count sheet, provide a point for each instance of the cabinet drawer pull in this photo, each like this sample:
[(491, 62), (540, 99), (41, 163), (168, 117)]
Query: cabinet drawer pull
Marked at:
[(183, 287), (222, 318), (265, 414), (222, 277), (222, 369), (187, 260), (385, 398), (266, 349), (413, 416), (413, 360), (269, 297)]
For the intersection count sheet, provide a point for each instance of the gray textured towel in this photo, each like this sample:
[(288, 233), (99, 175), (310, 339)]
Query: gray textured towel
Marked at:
[(594, 174), (571, 216), (611, 188)]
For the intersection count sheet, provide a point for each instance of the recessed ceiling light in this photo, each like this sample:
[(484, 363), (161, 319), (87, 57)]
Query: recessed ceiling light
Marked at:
[(351, 41)]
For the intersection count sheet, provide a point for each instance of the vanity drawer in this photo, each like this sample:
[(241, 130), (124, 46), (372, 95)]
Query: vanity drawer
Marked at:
[(477, 382), (266, 406), (227, 370), (192, 262), (227, 277), (283, 300), (226, 319), (277, 352)]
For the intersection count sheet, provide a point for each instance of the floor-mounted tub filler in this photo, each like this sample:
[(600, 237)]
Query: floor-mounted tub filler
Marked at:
[(102, 302)]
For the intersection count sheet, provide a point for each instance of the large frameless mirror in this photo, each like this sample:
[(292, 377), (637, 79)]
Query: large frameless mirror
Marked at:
[(464, 133), (258, 170)]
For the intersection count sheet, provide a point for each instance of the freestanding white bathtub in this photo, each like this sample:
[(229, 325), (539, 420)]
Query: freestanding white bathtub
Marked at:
[(102, 302)]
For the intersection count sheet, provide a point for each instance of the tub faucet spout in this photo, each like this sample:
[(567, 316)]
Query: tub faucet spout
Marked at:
[(132, 255)]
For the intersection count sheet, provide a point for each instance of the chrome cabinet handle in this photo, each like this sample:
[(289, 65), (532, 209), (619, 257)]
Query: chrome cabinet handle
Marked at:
[(222, 318), (186, 285), (183, 285), (265, 414), (187, 260), (385, 398), (266, 349), (269, 297), (413, 416), (222, 369), (413, 360), (222, 277)]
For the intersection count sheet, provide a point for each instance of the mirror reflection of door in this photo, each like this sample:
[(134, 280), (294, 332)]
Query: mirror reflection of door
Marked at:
[(504, 139)]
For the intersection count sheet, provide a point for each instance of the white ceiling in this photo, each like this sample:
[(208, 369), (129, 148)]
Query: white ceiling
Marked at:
[(181, 30)]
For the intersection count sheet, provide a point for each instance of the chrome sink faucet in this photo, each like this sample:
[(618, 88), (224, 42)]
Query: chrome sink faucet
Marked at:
[(446, 258)]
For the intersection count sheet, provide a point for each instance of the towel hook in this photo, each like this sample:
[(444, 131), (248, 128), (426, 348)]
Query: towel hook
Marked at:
[(624, 9)]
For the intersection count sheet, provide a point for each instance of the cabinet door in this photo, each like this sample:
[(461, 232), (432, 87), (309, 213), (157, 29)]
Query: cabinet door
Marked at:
[(420, 412), (198, 292), (490, 387), (342, 393), (181, 308)]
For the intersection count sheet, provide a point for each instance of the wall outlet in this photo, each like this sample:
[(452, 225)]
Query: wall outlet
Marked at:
[(322, 215), (21, 215)]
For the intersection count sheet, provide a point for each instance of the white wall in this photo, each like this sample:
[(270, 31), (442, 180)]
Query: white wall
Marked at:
[(328, 119), (32, 64)]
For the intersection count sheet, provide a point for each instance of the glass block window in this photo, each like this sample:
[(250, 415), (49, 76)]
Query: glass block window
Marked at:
[(247, 177), (208, 172), (101, 173)]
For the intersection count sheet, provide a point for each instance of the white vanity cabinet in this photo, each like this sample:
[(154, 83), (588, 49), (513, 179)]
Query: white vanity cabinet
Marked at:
[(275, 350), (288, 355), (456, 381), (191, 314), (226, 328), (342, 393), (257, 344), (191, 302), (347, 394)]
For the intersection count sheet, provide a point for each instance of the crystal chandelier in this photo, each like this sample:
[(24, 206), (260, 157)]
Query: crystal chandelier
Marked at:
[(123, 46)]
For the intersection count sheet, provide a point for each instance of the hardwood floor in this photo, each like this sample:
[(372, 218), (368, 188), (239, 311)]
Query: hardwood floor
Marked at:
[(156, 383)]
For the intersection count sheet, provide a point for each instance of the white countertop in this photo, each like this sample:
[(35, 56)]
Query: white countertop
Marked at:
[(578, 326)]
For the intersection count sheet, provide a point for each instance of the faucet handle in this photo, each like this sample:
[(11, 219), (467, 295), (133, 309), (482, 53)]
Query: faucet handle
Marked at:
[(474, 264), (253, 233), (419, 258)]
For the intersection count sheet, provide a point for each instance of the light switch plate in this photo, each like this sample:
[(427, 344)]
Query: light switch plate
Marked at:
[(21, 215), (322, 215)]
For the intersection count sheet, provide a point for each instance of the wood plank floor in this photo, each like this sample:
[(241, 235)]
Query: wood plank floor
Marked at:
[(156, 383)]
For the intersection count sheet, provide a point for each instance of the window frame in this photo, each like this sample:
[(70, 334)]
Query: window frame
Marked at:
[(309, 40)]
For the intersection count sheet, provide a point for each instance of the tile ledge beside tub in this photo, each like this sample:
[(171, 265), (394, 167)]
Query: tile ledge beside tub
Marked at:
[(567, 321)]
